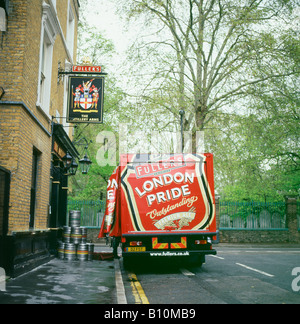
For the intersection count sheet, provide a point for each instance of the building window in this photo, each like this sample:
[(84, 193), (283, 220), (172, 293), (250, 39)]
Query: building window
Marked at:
[(70, 30), (50, 28), (45, 74), (34, 181)]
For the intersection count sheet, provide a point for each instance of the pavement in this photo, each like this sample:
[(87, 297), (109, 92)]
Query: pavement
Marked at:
[(64, 282)]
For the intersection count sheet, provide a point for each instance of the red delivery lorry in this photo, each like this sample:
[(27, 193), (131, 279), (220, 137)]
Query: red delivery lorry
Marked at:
[(161, 206)]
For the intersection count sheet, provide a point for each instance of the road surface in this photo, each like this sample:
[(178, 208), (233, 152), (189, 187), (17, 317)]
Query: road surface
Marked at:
[(237, 275)]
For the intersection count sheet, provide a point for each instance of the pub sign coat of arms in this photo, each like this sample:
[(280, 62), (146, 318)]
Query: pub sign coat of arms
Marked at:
[(85, 102)]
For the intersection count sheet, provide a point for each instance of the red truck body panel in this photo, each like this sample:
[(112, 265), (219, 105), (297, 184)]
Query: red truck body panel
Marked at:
[(161, 197)]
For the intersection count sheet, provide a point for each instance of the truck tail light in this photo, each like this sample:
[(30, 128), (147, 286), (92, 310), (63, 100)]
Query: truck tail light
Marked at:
[(198, 242), (136, 243)]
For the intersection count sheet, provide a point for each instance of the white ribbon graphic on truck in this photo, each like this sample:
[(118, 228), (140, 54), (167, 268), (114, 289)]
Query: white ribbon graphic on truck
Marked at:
[(184, 220)]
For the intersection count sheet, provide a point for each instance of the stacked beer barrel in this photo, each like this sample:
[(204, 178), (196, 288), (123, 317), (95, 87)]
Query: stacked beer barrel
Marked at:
[(74, 245)]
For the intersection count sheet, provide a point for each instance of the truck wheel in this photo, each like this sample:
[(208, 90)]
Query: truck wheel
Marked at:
[(127, 263), (197, 260)]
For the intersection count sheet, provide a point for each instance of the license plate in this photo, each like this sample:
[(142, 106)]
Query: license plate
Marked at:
[(136, 249)]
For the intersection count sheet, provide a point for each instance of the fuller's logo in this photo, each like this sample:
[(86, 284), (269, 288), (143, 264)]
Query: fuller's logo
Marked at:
[(158, 167)]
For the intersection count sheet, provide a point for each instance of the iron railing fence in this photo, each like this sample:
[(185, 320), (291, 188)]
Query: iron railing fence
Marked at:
[(252, 215), (233, 215)]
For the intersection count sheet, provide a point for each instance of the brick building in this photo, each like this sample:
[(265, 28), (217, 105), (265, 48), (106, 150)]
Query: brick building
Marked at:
[(37, 38)]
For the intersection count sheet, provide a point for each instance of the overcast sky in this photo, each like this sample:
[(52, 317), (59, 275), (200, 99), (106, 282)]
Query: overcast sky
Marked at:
[(103, 17)]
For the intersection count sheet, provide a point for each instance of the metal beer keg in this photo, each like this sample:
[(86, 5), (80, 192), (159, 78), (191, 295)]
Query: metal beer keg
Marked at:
[(91, 248), (76, 235), (84, 234), (82, 252), (67, 234), (61, 250), (75, 218), (70, 251)]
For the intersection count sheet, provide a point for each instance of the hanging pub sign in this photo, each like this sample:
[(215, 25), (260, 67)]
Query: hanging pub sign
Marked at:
[(85, 102)]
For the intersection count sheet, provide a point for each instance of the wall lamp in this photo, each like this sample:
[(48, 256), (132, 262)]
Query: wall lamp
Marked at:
[(71, 166), (67, 160), (84, 163)]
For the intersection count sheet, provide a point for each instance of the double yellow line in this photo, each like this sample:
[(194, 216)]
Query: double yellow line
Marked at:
[(137, 290)]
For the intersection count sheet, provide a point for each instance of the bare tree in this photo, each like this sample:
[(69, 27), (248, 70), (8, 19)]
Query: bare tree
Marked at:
[(211, 52)]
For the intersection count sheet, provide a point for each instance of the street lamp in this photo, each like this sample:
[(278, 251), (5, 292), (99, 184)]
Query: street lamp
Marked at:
[(67, 160), (73, 168), (85, 164)]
